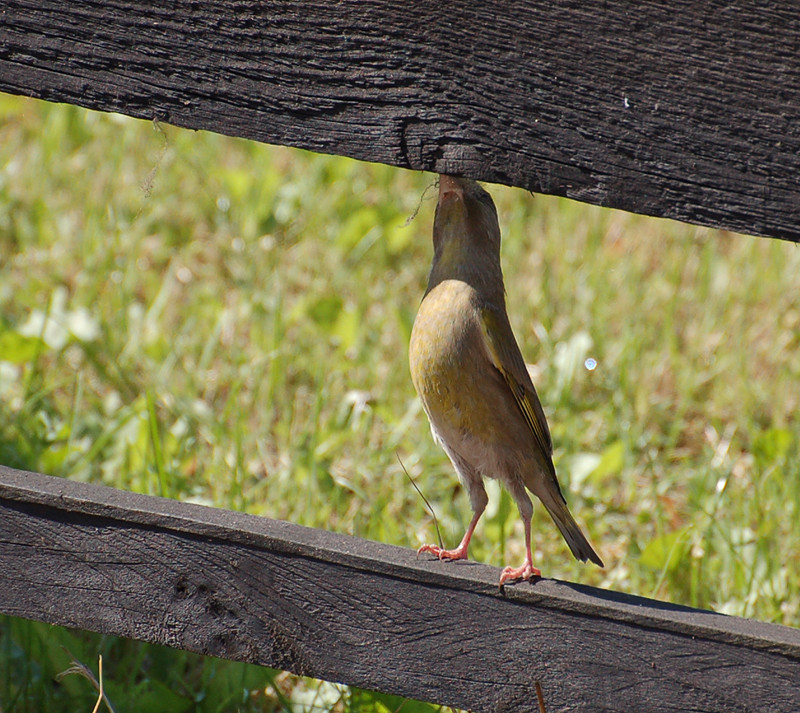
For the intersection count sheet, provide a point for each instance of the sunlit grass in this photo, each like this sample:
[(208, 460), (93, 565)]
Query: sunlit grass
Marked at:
[(211, 319)]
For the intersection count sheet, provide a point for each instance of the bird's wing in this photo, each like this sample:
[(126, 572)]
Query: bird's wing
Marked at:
[(507, 359)]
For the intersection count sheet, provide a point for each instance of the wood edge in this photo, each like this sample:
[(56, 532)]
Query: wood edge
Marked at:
[(148, 511), (751, 227)]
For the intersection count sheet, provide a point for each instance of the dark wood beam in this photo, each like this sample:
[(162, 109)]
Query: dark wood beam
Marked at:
[(368, 614), (671, 108)]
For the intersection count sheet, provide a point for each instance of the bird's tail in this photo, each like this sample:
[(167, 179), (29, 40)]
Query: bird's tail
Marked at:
[(576, 540)]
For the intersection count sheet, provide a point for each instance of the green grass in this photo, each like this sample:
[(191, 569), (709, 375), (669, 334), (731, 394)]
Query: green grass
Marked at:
[(210, 319)]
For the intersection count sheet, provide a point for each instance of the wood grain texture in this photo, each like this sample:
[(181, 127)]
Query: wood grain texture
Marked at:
[(670, 108), (335, 607)]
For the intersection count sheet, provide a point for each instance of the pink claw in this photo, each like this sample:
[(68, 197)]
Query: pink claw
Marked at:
[(526, 571), (459, 553)]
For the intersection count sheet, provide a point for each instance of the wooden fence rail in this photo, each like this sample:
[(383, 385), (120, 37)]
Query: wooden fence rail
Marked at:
[(666, 107), (672, 108), (368, 614)]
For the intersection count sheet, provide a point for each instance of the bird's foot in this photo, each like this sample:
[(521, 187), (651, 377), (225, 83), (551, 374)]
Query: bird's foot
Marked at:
[(459, 553), (512, 574)]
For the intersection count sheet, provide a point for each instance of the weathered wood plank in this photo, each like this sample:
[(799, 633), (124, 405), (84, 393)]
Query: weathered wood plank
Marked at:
[(368, 614), (666, 107)]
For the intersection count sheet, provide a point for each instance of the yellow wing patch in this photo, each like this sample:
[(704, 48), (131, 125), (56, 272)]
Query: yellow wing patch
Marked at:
[(507, 359)]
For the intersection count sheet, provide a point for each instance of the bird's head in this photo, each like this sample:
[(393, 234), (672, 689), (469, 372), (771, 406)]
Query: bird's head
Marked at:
[(466, 236), (465, 214)]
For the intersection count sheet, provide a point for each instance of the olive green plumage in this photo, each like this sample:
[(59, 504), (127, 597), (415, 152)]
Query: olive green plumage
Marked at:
[(473, 382)]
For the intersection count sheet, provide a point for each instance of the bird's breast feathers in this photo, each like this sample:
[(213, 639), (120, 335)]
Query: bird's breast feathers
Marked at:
[(444, 336), (449, 362)]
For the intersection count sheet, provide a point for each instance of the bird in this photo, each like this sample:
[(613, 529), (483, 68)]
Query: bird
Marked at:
[(470, 375)]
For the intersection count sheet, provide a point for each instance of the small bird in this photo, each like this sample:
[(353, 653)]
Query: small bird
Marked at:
[(472, 380)]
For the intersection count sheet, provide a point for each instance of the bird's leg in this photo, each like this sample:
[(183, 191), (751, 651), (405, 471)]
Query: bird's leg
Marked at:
[(527, 570), (460, 552)]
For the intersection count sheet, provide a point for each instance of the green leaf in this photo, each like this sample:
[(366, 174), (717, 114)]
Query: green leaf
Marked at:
[(358, 231), (611, 462), (773, 444), (375, 702), (18, 349), (347, 327), (325, 311), (666, 552), (159, 698)]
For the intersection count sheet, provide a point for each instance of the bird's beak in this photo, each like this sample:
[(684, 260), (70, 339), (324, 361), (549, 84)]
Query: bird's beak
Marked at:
[(450, 188)]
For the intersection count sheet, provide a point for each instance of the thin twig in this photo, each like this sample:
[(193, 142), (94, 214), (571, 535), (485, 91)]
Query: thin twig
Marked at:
[(81, 669), (150, 179), (411, 217), (540, 697), (430, 507), (100, 691)]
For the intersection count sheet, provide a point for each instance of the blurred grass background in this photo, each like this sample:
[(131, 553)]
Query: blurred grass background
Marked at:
[(214, 320)]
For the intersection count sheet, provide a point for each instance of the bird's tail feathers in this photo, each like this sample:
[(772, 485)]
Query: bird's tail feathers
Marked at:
[(570, 530)]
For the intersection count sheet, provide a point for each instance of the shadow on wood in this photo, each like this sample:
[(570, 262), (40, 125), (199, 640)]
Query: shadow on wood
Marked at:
[(671, 108), (335, 607)]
